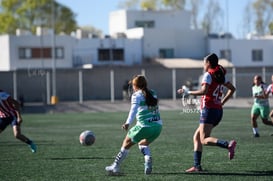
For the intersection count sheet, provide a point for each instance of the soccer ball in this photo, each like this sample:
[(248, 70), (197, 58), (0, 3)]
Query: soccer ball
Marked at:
[(87, 138)]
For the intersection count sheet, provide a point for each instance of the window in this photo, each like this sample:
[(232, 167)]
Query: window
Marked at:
[(59, 52), (24, 53), (39, 53), (106, 54), (166, 53), (118, 54), (257, 55), (145, 24), (225, 54)]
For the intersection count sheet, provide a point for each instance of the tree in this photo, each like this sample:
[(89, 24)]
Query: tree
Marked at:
[(263, 12), (247, 19), (129, 4), (30, 14), (153, 4), (174, 4), (195, 6), (149, 4), (212, 18), (92, 30)]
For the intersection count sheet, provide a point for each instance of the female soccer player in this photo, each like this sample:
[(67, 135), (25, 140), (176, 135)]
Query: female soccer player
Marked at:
[(10, 114), (268, 91), (211, 90), (144, 106), (260, 106)]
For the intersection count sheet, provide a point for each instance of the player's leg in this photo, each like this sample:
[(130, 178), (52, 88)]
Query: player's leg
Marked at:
[(212, 119), (271, 115), (114, 168), (197, 153), (255, 112), (18, 135), (4, 122), (265, 116), (128, 141), (150, 134)]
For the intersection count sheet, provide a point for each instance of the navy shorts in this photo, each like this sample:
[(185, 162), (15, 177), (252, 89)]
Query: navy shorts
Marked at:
[(211, 116), (4, 122)]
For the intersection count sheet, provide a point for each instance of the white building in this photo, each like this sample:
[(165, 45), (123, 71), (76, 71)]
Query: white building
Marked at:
[(134, 36), (165, 34), (244, 52)]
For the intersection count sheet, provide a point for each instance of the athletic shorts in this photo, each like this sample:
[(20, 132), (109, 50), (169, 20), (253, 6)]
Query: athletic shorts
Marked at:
[(211, 116), (138, 133), (4, 122), (262, 111)]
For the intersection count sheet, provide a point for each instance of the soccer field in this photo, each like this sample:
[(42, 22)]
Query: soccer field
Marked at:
[(61, 157)]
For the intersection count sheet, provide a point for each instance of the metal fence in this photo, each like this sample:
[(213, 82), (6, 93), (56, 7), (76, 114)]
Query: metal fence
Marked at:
[(105, 83)]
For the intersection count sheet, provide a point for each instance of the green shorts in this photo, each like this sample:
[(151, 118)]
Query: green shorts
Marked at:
[(138, 133), (262, 111)]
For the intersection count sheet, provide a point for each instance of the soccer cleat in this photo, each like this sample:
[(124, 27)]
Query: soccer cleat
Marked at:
[(231, 149), (112, 169), (148, 167), (33, 147), (194, 169), (256, 135)]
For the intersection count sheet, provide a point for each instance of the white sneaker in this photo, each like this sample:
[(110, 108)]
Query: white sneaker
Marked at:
[(112, 169), (148, 167)]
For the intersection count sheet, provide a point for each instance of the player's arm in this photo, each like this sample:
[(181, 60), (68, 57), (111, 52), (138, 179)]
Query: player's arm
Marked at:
[(202, 91), (132, 113), (16, 106), (230, 92), (13, 103), (268, 90), (264, 94)]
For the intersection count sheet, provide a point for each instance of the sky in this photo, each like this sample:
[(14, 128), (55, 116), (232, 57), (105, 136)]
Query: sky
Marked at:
[(96, 13)]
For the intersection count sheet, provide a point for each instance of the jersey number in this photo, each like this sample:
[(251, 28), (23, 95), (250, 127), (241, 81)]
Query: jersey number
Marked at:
[(218, 92)]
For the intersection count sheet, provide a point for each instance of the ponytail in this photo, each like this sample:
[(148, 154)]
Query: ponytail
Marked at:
[(219, 74), (150, 99), (141, 82)]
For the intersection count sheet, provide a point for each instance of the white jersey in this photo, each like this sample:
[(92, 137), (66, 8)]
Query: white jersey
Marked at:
[(146, 116), (258, 91), (270, 89)]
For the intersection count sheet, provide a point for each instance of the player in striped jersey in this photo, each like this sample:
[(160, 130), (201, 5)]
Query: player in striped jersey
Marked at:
[(10, 115), (144, 107), (211, 90), (269, 91)]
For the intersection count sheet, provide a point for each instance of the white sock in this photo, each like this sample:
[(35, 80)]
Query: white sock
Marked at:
[(121, 156), (255, 130), (145, 150)]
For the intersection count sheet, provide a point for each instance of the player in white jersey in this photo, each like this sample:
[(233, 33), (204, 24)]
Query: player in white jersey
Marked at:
[(269, 91), (260, 106), (144, 107), (10, 115)]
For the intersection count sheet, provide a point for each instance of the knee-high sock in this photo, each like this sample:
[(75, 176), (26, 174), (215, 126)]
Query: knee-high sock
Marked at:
[(222, 143), (197, 155), (121, 156), (145, 150)]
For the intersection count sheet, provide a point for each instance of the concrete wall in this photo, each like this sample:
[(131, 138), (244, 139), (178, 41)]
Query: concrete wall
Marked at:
[(5, 53), (32, 83)]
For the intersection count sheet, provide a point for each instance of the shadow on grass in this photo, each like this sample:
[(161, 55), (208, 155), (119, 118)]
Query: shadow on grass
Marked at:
[(80, 158), (247, 173)]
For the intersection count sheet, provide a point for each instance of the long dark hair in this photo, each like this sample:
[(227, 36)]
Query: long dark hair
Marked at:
[(140, 82), (218, 72)]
